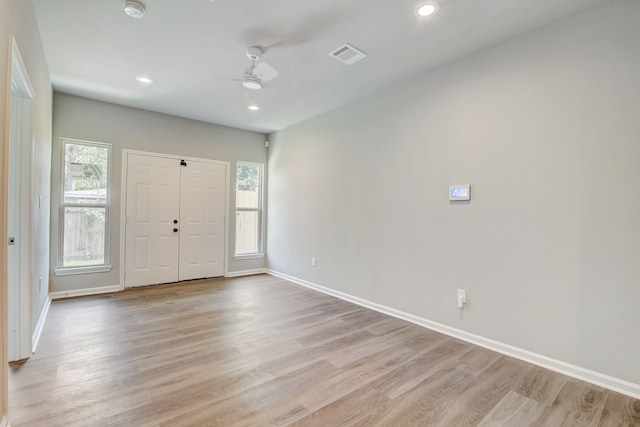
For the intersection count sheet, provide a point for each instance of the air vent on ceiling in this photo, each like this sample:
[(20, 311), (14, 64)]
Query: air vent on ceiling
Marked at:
[(348, 54)]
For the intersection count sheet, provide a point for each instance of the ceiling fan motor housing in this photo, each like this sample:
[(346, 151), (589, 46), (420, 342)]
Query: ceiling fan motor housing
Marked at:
[(254, 53), (252, 82)]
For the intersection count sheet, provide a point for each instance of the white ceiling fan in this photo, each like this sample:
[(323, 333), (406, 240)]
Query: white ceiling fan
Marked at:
[(258, 73)]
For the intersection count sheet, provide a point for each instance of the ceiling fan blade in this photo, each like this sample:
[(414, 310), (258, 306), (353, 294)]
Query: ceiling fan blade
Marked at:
[(265, 72), (226, 78)]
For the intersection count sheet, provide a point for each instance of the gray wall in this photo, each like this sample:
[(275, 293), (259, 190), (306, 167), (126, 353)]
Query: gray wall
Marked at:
[(17, 19), (545, 128), (129, 128)]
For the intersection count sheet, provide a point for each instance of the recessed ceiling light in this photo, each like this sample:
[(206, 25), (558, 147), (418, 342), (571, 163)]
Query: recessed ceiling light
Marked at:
[(134, 8), (253, 107), (427, 9), (144, 79)]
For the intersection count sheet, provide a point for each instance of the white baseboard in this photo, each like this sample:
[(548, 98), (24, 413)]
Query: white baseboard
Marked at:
[(245, 272), (84, 292), (597, 378), (117, 288), (40, 325)]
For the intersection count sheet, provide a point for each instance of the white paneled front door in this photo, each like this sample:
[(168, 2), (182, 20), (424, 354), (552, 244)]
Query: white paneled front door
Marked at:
[(175, 220), (153, 197), (202, 215)]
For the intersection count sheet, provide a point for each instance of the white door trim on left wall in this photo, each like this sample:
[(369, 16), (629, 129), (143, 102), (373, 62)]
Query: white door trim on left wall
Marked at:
[(20, 345)]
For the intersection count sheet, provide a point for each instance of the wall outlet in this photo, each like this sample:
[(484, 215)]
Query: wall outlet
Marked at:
[(462, 298), (314, 261)]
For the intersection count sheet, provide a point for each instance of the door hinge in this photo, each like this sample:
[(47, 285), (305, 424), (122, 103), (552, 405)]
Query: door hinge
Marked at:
[(183, 163)]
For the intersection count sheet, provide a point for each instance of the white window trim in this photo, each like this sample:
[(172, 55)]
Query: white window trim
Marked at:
[(99, 268), (256, 255), (260, 210), (69, 271)]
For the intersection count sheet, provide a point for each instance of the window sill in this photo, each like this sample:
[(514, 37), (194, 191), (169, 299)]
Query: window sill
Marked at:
[(69, 271), (247, 256)]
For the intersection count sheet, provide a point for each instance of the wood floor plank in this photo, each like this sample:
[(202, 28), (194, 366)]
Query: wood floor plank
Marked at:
[(513, 410), (485, 392), (282, 389), (619, 411), (415, 371), (262, 351), (347, 410), (423, 341), (386, 325), (354, 376), (541, 385), (281, 415), (476, 361), (424, 404), (351, 354), (578, 404), (327, 331)]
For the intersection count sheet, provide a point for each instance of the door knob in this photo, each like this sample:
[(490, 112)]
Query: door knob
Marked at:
[(175, 221), (175, 230)]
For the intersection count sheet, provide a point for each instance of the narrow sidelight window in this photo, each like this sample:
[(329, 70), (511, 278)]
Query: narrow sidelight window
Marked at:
[(249, 185), (85, 204)]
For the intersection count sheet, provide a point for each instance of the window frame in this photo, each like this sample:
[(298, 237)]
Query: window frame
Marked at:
[(61, 270), (258, 210)]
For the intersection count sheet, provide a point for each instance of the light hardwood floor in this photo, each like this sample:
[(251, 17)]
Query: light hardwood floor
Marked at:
[(262, 351)]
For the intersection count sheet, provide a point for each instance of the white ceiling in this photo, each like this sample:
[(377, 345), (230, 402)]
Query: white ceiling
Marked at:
[(94, 50)]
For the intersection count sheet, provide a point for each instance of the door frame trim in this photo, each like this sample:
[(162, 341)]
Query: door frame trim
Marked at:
[(123, 202), (20, 82)]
